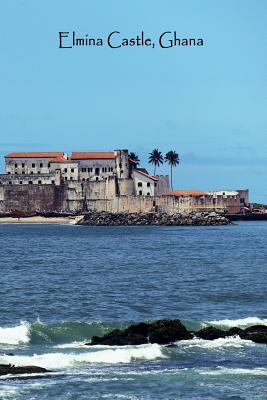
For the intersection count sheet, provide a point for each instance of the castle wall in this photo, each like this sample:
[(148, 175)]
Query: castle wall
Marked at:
[(101, 196)]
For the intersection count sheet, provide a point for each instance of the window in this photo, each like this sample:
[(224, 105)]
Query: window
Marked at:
[(23, 172), (97, 179), (72, 169), (155, 184), (33, 165), (140, 184), (48, 165), (66, 178), (23, 165), (20, 182), (83, 179), (39, 172), (148, 184), (31, 172), (30, 182), (8, 173), (16, 165), (10, 183), (83, 169), (65, 170), (122, 171), (53, 182), (90, 169), (16, 173), (148, 194), (71, 178), (39, 182), (41, 165), (140, 192)]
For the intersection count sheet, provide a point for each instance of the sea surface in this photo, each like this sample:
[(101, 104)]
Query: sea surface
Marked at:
[(61, 284)]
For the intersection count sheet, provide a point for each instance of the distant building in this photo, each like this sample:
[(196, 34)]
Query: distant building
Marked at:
[(57, 168)]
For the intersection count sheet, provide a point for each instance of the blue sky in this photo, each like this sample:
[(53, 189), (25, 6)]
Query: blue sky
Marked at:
[(207, 103)]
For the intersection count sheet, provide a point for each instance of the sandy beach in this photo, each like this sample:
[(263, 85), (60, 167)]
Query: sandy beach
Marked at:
[(41, 220)]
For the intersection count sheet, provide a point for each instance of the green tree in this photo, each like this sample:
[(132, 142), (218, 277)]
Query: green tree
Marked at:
[(155, 158), (134, 157), (172, 158)]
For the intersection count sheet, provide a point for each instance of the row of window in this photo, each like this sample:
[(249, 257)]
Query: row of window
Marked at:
[(33, 165), (30, 182), (140, 184), (104, 169), (141, 193)]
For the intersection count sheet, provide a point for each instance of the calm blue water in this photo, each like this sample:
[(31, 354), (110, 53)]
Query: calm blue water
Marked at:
[(62, 284)]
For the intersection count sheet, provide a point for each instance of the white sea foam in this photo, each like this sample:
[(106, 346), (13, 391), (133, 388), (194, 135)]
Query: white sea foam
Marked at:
[(73, 345), (235, 371), (108, 356), (242, 323), (233, 341), (15, 335)]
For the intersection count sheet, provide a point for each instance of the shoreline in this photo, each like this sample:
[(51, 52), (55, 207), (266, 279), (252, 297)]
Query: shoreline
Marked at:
[(41, 220)]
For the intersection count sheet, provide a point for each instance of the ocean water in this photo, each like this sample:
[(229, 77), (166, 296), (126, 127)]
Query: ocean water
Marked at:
[(61, 284)]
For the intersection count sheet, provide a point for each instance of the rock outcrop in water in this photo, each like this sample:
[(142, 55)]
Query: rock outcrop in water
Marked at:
[(162, 332), (177, 219), (167, 331), (6, 369)]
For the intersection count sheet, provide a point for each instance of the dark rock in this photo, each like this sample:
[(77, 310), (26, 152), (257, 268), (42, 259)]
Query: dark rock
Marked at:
[(152, 218), (256, 333), (211, 333), (161, 332), (168, 331), (235, 332), (28, 369)]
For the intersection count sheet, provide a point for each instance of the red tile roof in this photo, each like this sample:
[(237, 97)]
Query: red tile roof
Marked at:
[(178, 193), (143, 173), (92, 155), (59, 160), (46, 154)]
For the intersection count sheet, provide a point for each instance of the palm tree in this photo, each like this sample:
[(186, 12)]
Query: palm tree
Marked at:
[(172, 158), (134, 157), (155, 158)]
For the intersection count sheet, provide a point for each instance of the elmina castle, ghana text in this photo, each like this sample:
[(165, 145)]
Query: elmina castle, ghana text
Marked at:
[(117, 40)]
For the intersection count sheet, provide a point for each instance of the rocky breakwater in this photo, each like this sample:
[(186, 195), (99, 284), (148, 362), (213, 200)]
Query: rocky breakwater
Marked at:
[(177, 219), (168, 331)]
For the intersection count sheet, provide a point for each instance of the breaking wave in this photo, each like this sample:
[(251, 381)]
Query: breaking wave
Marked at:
[(108, 356), (232, 341), (59, 333), (15, 335), (74, 334), (241, 323)]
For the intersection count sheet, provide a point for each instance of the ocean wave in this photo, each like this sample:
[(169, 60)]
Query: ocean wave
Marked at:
[(241, 323), (58, 333), (231, 341), (235, 371), (15, 335), (71, 334), (106, 356)]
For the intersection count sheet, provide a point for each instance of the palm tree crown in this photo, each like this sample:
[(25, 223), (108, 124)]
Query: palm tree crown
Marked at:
[(134, 157), (172, 158), (155, 158)]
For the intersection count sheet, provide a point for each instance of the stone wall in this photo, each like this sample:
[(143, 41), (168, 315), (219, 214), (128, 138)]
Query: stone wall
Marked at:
[(101, 196)]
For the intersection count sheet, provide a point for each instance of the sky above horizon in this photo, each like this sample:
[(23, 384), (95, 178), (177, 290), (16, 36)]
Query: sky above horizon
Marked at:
[(208, 103)]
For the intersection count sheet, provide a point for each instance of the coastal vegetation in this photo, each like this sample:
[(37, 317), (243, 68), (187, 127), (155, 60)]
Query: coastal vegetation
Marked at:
[(155, 158), (172, 158)]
